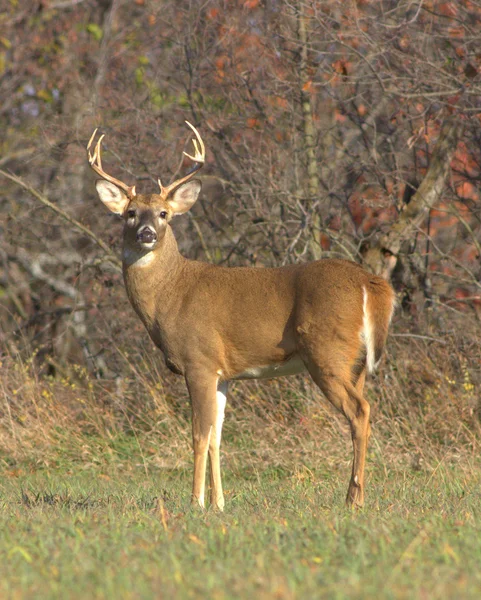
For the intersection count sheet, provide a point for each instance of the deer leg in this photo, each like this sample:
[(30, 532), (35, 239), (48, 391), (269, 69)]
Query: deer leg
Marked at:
[(360, 431), (205, 431), (359, 385), (216, 494), (348, 400)]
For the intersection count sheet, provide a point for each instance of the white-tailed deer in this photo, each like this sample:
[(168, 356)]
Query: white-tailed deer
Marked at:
[(215, 324)]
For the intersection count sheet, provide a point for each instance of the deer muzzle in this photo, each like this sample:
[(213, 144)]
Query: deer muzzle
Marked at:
[(146, 235)]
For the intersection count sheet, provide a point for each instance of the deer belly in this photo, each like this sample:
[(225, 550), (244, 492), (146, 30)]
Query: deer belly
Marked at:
[(292, 366)]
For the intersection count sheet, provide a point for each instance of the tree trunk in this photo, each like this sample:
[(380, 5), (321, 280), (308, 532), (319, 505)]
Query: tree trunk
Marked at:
[(382, 257), (309, 137)]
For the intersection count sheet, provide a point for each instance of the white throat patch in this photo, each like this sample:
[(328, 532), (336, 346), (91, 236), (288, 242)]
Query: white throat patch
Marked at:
[(137, 259)]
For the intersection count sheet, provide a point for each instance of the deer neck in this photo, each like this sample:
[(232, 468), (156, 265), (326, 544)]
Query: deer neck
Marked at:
[(150, 278)]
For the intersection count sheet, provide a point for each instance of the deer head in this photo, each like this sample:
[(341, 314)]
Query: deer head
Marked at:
[(146, 217)]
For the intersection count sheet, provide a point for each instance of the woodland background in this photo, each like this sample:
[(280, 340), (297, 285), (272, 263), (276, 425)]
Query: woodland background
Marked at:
[(321, 121)]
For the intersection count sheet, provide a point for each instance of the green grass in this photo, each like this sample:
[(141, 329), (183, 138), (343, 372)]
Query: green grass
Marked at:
[(127, 531)]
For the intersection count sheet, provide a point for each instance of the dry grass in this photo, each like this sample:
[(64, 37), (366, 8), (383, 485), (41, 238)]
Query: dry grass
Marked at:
[(425, 401)]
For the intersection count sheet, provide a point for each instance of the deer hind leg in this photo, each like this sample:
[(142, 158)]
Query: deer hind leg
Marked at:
[(342, 394), (208, 405), (359, 385)]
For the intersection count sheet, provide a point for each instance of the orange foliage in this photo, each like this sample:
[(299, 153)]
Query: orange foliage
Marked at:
[(457, 32), (325, 241), (467, 191), (342, 66), (335, 223), (253, 123), (220, 62), (307, 86), (448, 9), (370, 208), (465, 162), (362, 110), (432, 130), (212, 13), (278, 102), (441, 218)]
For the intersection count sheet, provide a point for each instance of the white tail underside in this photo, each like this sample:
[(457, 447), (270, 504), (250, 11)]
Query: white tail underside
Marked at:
[(367, 334)]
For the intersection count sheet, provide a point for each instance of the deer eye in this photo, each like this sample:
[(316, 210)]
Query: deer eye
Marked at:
[(131, 214), (163, 214)]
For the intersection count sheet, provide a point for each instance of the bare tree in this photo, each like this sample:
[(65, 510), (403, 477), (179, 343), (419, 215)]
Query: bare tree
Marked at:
[(356, 129)]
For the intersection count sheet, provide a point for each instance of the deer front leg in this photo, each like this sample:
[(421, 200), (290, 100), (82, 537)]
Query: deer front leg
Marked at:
[(216, 494), (207, 417)]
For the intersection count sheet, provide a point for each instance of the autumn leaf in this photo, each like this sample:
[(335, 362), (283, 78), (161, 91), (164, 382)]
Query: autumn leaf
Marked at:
[(212, 13), (95, 31)]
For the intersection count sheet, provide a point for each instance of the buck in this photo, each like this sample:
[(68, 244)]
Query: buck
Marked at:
[(216, 324)]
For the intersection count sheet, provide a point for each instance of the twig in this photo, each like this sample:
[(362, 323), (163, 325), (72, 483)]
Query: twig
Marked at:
[(19, 154), (58, 312), (46, 202), (65, 4), (201, 238), (420, 337)]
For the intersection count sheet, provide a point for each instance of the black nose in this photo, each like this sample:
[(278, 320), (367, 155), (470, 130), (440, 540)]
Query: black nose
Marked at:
[(146, 236)]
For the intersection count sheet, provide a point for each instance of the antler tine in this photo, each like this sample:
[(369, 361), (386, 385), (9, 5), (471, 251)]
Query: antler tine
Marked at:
[(95, 158), (198, 159), (199, 147), (91, 140), (95, 162)]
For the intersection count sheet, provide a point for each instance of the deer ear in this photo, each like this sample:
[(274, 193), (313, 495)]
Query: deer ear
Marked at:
[(185, 196), (112, 196)]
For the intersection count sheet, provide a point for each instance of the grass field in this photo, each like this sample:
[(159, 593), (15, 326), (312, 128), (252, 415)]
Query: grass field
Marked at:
[(95, 481), (124, 529)]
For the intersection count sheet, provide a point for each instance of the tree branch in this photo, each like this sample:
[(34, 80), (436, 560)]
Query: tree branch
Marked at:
[(428, 192), (46, 202), (382, 257)]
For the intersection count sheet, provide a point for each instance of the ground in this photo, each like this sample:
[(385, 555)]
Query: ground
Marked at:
[(123, 528)]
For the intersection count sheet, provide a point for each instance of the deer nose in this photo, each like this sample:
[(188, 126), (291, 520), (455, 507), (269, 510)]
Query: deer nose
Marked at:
[(146, 235)]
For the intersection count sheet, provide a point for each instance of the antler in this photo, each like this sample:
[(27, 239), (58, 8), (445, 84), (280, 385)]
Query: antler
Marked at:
[(198, 158), (96, 164)]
